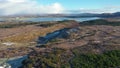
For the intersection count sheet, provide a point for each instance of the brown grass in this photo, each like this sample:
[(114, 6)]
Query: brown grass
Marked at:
[(29, 33)]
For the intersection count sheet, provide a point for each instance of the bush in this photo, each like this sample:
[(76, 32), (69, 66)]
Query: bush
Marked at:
[(110, 59), (100, 22)]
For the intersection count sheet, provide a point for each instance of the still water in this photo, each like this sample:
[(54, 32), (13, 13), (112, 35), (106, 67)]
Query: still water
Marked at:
[(39, 19), (43, 19)]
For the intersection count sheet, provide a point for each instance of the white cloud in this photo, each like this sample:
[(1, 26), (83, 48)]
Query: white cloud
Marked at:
[(17, 1), (9, 7)]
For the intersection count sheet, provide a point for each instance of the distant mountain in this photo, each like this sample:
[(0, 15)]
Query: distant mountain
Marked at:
[(116, 14), (82, 15)]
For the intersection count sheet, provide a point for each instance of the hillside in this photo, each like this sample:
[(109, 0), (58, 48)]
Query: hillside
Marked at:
[(97, 45), (92, 40)]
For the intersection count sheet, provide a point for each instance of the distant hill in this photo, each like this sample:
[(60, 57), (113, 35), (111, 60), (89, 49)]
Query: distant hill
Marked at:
[(73, 15), (116, 14)]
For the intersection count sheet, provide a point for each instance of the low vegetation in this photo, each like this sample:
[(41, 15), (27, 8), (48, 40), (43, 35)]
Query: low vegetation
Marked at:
[(47, 24), (52, 59), (34, 34), (110, 59), (12, 25), (101, 22), (58, 58), (101, 48), (41, 29)]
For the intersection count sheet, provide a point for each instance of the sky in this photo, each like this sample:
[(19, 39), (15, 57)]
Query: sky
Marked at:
[(12, 7)]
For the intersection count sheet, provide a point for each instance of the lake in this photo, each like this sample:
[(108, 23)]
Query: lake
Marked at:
[(43, 19), (14, 62), (39, 19)]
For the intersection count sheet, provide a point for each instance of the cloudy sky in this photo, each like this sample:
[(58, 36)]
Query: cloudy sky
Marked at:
[(11, 7)]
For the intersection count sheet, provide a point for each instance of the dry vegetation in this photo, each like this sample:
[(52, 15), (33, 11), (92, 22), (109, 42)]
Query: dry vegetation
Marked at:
[(87, 39), (93, 35), (27, 33), (25, 36)]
